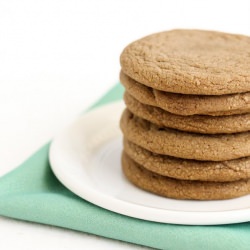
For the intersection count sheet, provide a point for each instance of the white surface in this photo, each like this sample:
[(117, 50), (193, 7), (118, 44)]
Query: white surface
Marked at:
[(58, 57), (86, 158)]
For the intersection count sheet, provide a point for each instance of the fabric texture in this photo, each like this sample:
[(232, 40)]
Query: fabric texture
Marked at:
[(31, 192)]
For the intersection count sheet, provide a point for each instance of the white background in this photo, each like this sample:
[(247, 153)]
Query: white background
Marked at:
[(57, 58)]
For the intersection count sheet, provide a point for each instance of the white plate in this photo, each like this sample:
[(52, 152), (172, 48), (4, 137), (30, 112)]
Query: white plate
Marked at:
[(86, 159)]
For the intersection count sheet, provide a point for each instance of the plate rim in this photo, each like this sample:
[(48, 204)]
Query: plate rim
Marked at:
[(135, 210)]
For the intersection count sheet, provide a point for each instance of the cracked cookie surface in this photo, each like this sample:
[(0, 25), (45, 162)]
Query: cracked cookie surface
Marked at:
[(190, 62)]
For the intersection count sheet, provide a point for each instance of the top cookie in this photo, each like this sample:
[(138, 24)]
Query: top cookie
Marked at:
[(190, 62)]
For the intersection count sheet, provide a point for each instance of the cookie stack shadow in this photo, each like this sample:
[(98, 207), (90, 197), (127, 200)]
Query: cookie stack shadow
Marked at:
[(179, 142)]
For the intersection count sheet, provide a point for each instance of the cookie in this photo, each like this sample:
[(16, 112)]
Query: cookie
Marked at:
[(182, 189), (220, 171), (190, 62), (162, 140), (188, 104), (196, 123)]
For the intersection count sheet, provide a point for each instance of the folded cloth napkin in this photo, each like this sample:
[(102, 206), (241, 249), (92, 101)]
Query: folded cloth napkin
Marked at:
[(31, 192)]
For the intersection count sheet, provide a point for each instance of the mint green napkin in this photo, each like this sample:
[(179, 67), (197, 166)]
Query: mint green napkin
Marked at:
[(32, 193)]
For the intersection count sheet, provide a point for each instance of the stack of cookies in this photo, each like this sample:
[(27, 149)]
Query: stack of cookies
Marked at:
[(187, 122)]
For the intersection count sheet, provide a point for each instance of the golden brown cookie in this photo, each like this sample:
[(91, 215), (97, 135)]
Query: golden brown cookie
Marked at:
[(188, 104), (182, 189), (185, 145), (219, 171), (190, 62), (195, 123)]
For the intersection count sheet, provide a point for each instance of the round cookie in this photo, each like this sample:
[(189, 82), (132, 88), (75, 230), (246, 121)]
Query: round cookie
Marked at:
[(185, 145), (182, 189), (188, 104), (196, 123), (190, 62), (188, 169)]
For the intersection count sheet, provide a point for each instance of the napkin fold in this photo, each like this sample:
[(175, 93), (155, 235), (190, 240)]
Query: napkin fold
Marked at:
[(31, 192)]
